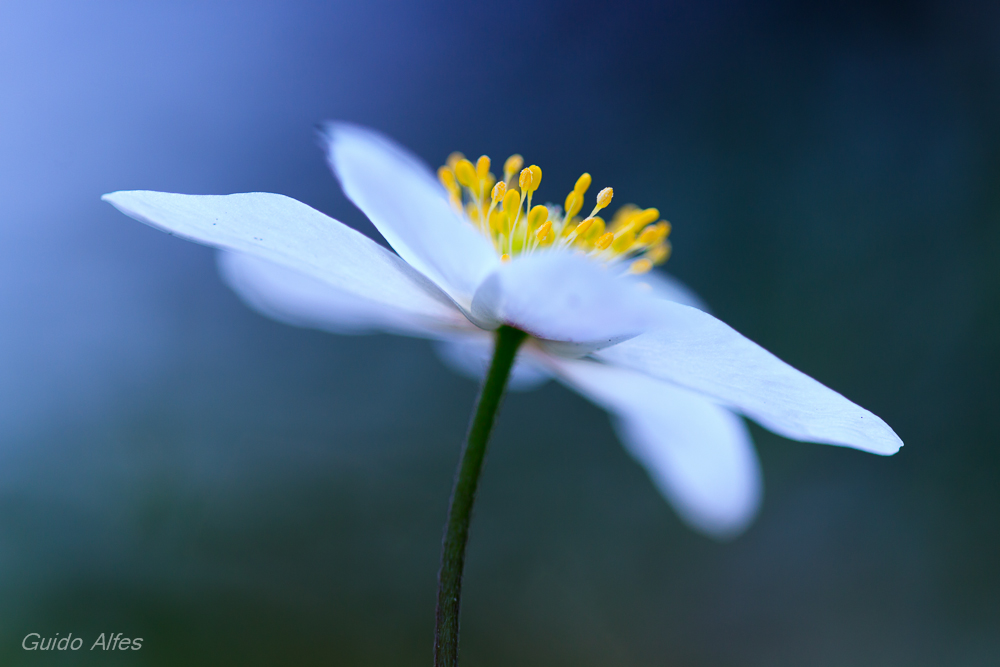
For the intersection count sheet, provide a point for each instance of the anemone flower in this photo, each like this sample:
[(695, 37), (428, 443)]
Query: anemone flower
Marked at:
[(474, 259)]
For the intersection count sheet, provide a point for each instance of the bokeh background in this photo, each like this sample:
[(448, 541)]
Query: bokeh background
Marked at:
[(238, 492)]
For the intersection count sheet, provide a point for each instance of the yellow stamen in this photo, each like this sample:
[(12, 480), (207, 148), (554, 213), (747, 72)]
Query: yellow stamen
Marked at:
[(654, 233), (524, 180), (447, 178), (536, 177), (604, 198), (495, 207), (498, 191), (622, 242), (640, 266), (598, 229), (483, 167), (499, 222), (538, 216), (582, 228), (511, 203), (512, 166), (658, 254), (641, 219), (649, 236), (595, 229), (544, 232), (466, 173), (505, 257), (574, 202), (623, 214)]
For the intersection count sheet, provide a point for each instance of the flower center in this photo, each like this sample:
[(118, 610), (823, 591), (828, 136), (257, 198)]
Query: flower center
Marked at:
[(502, 211)]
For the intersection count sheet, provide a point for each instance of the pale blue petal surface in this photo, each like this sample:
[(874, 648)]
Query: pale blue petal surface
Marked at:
[(694, 350), (407, 205), (289, 233), (699, 455)]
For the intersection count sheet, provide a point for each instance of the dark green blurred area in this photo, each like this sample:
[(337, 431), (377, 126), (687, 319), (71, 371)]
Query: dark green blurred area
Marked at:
[(269, 495)]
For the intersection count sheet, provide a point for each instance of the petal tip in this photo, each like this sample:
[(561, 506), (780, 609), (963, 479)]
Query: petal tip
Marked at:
[(114, 197), (892, 447)]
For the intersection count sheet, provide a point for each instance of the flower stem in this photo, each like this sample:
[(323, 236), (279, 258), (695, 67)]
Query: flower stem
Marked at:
[(463, 495)]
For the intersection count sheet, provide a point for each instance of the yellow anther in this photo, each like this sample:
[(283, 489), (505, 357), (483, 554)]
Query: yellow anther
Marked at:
[(583, 227), (604, 197), (482, 167), (511, 203), (498, 191), (544, 231), (643, 218), (654, 233), (466, 173), (596, 228), (640, 266), (512, 166), (537, 216), (499, 222), (623, 214), (623, 242), (536, 176), (447, 178), (658, 254), (524, 180), (631, 235), (574, 202), (649, 236)]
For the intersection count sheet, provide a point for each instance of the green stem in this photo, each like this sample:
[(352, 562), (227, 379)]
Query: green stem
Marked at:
[(463, 495)]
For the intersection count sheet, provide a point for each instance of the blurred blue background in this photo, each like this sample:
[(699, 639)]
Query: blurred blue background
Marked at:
[(237, 492)]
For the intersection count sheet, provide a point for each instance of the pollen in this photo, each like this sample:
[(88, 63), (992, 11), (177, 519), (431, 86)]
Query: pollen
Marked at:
[(498, 191), (507, 211), (604, 197)]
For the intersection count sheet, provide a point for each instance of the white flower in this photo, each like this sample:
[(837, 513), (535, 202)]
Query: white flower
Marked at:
[(674, 378)]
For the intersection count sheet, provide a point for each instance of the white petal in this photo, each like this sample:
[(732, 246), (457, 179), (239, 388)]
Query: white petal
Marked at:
[(300, 300), (409, 207), (471, 355), (665, 286), (291, 234), (558, 296), (697, 351), (699, 454)]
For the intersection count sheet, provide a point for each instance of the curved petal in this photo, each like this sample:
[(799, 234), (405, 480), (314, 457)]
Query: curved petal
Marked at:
[(566, 298), (289, 233), (665, 286), (294, 298), (471, 355), (699, 455), (410, 209), (697, 351)]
